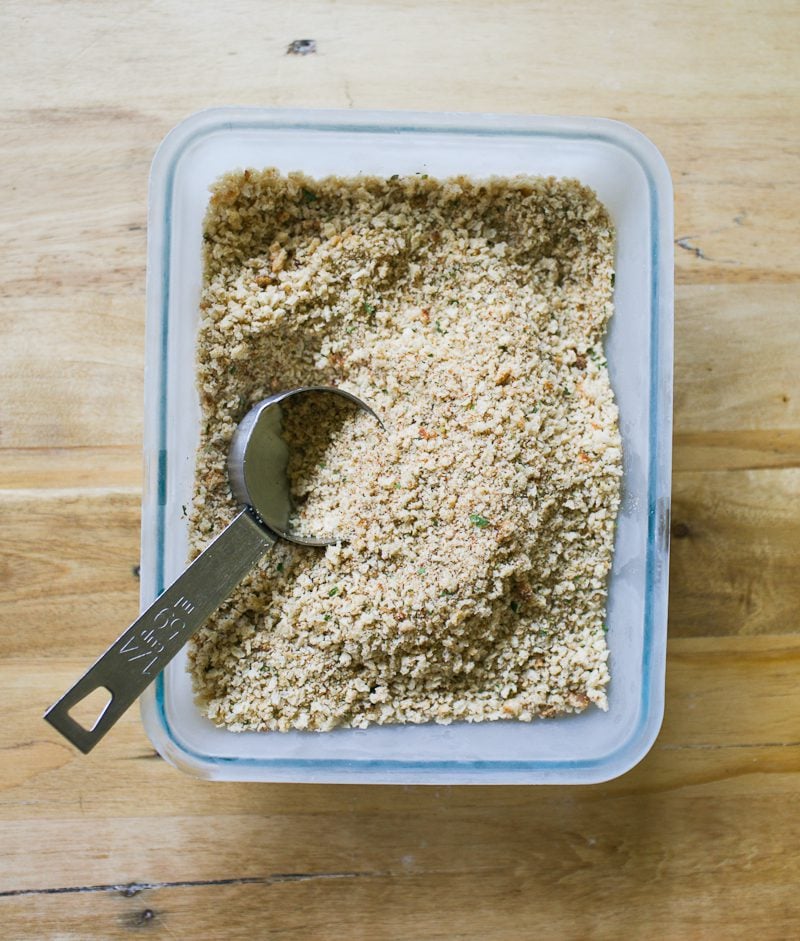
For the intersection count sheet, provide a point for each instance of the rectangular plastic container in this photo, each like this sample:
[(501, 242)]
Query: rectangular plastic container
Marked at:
[(632, 180)]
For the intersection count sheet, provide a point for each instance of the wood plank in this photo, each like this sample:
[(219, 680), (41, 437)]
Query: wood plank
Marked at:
[(111, 466), (735, 450), (672, 41), (733, 707), (342, 861), (85, 384), (736, 403), (88, 227), (727, 379), (67, 579), (735, 552), (332, 907)]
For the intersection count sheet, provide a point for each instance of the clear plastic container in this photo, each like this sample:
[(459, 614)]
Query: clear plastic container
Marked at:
[(631, 178)]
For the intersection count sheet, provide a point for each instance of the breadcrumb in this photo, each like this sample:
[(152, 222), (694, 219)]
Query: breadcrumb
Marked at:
[(478, 529)]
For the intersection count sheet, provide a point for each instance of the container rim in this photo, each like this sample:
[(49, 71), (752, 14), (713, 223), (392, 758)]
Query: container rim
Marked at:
[(659, 185)]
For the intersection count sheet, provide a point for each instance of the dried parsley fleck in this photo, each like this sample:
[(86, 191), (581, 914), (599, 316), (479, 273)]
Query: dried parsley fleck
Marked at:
[(333, 591), (477, 520), (309, 196)]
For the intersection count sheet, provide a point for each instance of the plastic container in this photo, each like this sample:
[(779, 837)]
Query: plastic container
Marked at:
[(631, 178)]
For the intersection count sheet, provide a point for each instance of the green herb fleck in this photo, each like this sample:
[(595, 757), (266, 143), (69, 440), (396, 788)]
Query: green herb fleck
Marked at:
[(504, 348), (613, 278), (369, 309), (471, 406), (349, 329), (396, 485), (309, 196), (514, 607), (477, 520), (327, 617), (421, 570), (605, 628), (279, 567), (439, 329), (394, 176), (333, 591)]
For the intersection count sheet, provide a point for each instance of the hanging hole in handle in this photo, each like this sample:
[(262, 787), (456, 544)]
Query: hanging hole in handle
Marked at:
[(91, 709)]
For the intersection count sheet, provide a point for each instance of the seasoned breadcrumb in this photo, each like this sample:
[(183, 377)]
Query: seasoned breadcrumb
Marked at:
[(479, 526)]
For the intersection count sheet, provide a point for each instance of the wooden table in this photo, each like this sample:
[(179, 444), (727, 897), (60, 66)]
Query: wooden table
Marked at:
[(700, 840)]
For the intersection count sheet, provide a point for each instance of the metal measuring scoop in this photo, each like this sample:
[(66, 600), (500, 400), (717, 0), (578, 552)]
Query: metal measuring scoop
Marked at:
[(257, 466)]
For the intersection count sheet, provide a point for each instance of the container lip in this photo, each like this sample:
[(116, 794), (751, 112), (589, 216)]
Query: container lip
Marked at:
[(616, 133), (225, 117), (392, 771)]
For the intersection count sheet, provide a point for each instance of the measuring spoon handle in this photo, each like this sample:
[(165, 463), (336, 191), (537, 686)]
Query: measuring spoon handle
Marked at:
[(134, 660)]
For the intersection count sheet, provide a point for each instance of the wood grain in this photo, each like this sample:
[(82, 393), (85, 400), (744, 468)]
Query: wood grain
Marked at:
[(80, 595), (700, 840), (725, 767), (735, 543)]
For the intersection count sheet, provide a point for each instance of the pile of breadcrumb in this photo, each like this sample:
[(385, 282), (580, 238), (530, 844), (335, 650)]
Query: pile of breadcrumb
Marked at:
[(477, 527)]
